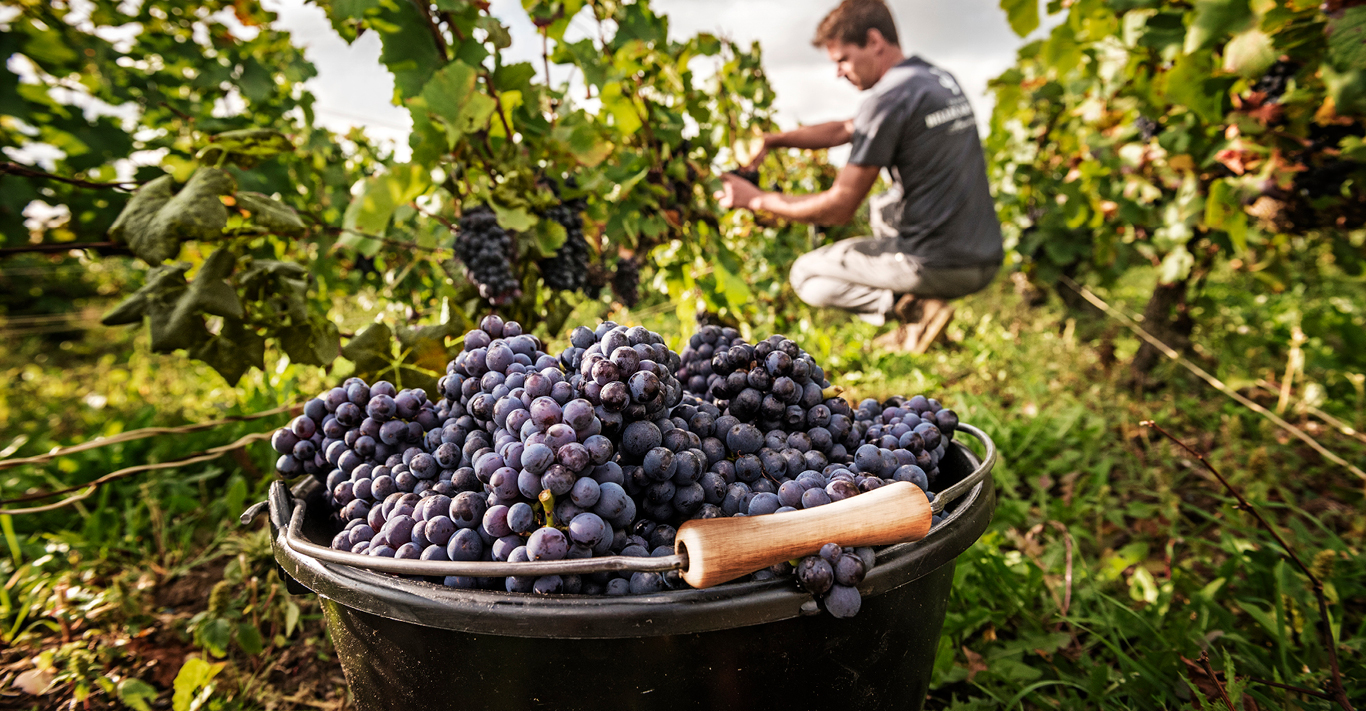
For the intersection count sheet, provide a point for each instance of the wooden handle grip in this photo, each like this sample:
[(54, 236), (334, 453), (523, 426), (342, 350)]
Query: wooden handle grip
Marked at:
[(721, 549)]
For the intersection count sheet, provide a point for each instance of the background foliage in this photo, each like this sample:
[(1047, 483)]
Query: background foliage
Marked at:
[(1186, 136)]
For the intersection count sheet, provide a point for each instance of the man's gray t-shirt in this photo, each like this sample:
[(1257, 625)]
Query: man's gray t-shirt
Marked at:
[(917, 123)]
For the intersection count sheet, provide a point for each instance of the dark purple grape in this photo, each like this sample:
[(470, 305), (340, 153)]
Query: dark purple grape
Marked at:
[(521, 517), (439, 529), (815, 574), (284, 440), (465, 545), (547, 544), (578, 414), (468, 508), (588, 529), (558, 480), (842, 601)]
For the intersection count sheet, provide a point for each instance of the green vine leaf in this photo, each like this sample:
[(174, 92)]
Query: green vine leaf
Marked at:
[(196, 212), (371, 210), (155, 221), (171, 329), (281, 287), (1347, 40), (371, 350), (312, 343), (209, 292), (1216, 19), (271, 215), (517, 219), (451, 98), (234, 351), (133, 226), (1023, 15), (163, 283), (255, 142), (1249, 54)]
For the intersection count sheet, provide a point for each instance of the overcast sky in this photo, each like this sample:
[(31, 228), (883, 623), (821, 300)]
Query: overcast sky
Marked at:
[(969, 38)]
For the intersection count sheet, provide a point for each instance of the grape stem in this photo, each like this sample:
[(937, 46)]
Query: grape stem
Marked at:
[(548, 503)]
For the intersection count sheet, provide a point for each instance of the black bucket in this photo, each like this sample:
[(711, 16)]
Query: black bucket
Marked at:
[(413, 645)]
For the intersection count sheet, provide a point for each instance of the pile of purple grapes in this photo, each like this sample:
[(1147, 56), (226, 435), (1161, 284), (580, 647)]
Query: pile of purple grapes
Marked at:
[(605, 450)]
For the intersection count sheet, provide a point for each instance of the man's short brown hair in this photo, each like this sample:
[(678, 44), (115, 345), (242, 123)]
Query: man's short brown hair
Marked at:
[(849, 23)]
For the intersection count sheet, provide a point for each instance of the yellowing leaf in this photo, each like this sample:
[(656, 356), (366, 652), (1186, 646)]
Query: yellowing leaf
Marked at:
[(195, 674), (1249, 54)]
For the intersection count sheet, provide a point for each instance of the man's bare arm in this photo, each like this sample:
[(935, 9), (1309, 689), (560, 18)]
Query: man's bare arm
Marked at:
[(821, 135), (834, 206)]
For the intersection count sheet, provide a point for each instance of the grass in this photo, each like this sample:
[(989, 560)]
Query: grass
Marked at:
[(143, 590)]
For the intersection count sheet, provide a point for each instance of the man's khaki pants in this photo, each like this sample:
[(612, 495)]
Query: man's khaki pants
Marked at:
[(865, 275)]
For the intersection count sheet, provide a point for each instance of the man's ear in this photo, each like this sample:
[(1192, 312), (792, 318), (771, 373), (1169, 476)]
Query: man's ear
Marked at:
[(874, 39)]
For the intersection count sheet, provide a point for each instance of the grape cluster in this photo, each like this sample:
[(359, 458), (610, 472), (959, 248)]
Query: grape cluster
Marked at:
[(568, 269), (1274, 82), (695, 371), (486, 250), (626, 281), (833, 575), (626, 372), (1147, 128), (913, 432), (601, 450), (778, 386), (351, 425)]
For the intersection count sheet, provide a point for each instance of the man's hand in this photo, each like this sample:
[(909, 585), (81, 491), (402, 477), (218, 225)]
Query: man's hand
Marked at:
[(736, 192), (758, 158)]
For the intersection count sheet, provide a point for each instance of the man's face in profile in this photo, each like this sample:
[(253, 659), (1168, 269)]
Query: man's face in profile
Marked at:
[(858, 64)]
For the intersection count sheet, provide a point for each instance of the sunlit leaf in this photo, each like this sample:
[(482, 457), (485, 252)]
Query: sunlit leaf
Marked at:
[(370, 211), (194, 675), (1216, 19), (1023, 15)]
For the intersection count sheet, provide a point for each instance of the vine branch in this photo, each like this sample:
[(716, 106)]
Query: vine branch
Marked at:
[(137, 434), (55, 247), (85, 490), (23, 171)]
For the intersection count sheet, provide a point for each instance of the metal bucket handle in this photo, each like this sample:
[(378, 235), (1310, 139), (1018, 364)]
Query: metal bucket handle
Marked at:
[(287, 517)]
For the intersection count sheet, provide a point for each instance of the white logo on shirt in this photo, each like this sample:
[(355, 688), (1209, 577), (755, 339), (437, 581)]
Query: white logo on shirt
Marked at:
[(946, 81), (953, 112)]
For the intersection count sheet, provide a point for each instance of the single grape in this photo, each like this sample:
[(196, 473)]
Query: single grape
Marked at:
[(547, 544), (842, 601)]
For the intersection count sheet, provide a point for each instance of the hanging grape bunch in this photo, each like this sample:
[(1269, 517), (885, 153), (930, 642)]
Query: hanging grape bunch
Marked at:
[(626, 281), (1274, 82), (601, 451), (486, 249), (568, 269)]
